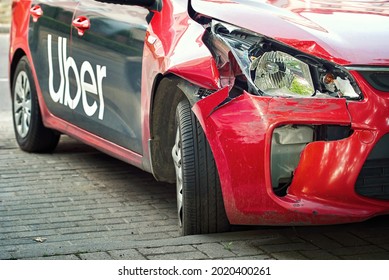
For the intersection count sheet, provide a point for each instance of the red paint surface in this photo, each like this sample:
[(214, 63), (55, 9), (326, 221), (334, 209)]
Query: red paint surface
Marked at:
[(322, 190), (349, 32)]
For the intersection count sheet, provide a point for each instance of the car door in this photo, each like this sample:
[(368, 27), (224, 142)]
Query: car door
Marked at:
[(49, 33), (107, 47)]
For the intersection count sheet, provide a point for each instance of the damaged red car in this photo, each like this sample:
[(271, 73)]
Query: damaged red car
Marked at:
[(261, 112)]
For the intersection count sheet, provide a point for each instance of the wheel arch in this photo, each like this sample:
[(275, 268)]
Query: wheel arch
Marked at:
[(19, 53), (169, 90)]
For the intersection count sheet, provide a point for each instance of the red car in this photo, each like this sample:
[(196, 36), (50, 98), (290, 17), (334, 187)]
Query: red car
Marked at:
[(261, 112)]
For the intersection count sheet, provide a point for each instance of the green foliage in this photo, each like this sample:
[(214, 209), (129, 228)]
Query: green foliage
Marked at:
[(301, 89)]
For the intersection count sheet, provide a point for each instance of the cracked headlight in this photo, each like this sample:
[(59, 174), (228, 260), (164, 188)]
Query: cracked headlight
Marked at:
[(278, 73), (266, 67)]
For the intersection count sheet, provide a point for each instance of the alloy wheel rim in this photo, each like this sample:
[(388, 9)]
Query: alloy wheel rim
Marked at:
[(177, 159), (22, 104)]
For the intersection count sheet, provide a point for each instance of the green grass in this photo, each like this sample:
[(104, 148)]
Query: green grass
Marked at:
[(300, 89)]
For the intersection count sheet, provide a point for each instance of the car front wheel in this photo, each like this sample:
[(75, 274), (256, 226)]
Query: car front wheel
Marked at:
[(200, 204)]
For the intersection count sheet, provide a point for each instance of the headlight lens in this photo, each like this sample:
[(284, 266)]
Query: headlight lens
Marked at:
[(278, 73), (271, 68)]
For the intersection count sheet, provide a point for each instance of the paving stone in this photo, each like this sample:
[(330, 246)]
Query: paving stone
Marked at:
[(269, 240), (41, 250), (379, 240), (256, 257), (151, 236), (321, 241), (347, 239), (156, 229), (5, 255), (287, 247), (319, 255), (130, 254), (83, 229), (216, 250), (106, 222), (14, 229), (166, 250), (369, 256), (366, 232), (289, 256), (70, 257), (95, 256), (23, 205), (7, 243), (32, 234), (32, 219), (243, 248), (385, 246), (179, 256), (349, 251), (66, 218)]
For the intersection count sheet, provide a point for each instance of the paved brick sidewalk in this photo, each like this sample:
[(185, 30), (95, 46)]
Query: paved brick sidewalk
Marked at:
[(85, 205)]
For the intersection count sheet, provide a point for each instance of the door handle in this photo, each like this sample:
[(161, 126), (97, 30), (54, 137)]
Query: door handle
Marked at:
[(36, 13), (82, 24)]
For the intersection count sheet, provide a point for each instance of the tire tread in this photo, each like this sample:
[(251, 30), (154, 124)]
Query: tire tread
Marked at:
[(204, 207)]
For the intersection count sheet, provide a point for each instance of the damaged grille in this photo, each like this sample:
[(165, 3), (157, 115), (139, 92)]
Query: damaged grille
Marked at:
[(373, 180), (377, 77), (203, 92), (379, 80)]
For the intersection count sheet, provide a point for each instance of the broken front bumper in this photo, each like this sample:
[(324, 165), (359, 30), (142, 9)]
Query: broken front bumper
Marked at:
[(323, 189)]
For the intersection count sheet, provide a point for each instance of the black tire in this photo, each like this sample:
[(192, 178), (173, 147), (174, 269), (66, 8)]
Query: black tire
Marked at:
[(30, 133), (202, 210)]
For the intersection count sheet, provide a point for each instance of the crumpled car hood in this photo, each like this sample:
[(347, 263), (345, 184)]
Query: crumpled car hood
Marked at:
[(354, 32)]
